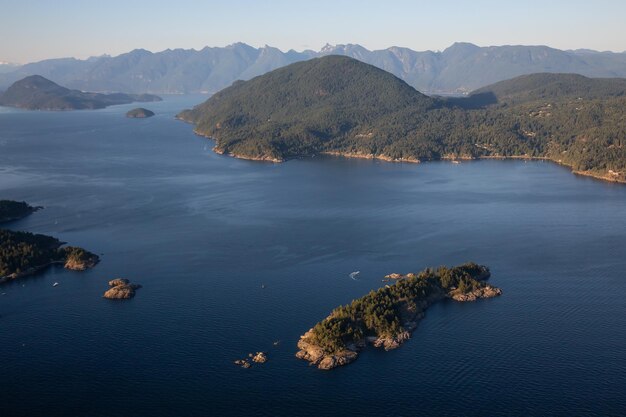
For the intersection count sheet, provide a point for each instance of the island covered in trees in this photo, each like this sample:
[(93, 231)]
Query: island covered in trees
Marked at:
[(139, 113), (338, 105), (386, 317), (38, 93)]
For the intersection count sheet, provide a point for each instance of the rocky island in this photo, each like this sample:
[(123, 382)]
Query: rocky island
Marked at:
[(121, 289), (385, 318), (259, 357), (38, 93), (23, 253), (340, 106), (14, 210), (139, 113)]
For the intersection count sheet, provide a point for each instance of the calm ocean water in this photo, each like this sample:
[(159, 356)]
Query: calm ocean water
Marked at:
[(203, 232)]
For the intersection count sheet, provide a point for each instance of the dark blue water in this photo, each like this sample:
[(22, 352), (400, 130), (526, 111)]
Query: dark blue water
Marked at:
[(202, 233)]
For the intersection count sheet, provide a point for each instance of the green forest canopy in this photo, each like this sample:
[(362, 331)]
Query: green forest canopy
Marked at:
[(339, 104)]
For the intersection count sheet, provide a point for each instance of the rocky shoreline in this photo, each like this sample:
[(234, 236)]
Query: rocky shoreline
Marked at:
[(609, 176), (70, 264), (312, 352), (247, 158), (371, 156)]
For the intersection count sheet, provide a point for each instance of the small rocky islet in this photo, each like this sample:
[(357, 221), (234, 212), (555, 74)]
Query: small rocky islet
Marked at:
[(121, 289), (385, 318), (258, 357)]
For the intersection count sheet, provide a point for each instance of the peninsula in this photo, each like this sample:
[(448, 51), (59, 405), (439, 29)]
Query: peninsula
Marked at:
[(38, 93), (24, 253), (338, 105), (14, 210), (386, 317)]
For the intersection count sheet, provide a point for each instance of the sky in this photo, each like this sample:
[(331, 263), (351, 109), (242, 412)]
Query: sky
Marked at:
[(32, 30)]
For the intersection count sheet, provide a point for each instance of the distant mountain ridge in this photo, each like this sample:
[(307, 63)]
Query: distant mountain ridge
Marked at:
[(461, 68)]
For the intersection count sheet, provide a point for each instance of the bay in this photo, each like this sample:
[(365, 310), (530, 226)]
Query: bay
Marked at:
[(203, 233)]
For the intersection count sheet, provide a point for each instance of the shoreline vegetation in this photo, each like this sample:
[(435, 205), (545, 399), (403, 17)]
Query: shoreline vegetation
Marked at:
[(340, 106), (385, 318), (25, 253), (609, 176)]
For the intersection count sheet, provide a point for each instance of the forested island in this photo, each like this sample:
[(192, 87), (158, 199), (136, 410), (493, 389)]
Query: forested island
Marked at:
[(139, 113), (338, 105), (386, 317), (14, 210), (38, 93)]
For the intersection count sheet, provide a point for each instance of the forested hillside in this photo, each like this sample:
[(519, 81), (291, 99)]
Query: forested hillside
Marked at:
[(340, 105)]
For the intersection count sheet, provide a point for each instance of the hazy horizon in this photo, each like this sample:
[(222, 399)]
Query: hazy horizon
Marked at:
[(68, 28), (316, 49)]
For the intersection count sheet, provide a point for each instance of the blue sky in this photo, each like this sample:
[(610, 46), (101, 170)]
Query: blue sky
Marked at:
[(32, 30)]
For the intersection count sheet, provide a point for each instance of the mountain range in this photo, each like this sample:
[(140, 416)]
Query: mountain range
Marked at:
[(459, 69)]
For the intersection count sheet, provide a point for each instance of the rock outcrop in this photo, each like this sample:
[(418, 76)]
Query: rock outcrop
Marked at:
[(78, 259), (121, 289), (313, 353), (242, 363), (389, 342), (485, 292)]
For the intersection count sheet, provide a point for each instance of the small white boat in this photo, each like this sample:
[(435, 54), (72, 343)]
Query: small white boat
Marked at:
[(55, 284), (354, 274), (456, 162)]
